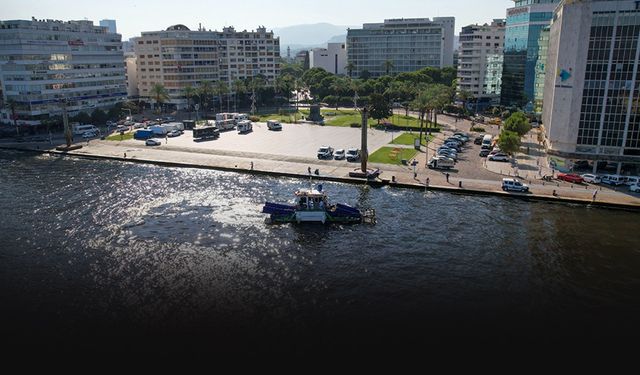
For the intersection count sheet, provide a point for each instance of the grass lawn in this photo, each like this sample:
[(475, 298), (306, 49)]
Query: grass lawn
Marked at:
[(392, 155), (287, 119), (118, 137), (408, 139)]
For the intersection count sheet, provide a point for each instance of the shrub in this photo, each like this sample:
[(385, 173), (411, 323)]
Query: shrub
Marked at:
[(254, 118), (479, 129)]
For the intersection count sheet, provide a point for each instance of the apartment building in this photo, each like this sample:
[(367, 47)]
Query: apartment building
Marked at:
[(43, 62), (179, 57), (592, 86), (480, 62), (401, 45)]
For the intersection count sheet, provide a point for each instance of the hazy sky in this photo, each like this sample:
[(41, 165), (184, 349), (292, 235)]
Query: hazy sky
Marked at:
[(135, 16)]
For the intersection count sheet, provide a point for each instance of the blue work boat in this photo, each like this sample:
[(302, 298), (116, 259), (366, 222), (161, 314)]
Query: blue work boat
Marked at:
[(312, 206)]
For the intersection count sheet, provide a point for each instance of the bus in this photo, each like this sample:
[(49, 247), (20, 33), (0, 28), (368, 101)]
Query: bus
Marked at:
[(205, 132), (81, 129)]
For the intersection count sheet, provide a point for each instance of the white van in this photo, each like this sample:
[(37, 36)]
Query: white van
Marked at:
[(441, 162), (613, 179), (245, 126), (631, 180), (486, 142), (511, 184), (81, 129)]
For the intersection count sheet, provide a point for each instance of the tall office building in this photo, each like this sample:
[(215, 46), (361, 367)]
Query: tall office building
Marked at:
[(43, 62), (109, 24), (480, 62), (179, 57), (525, 21), (333, 59), (592, 86), (541, 65), (401, 45)]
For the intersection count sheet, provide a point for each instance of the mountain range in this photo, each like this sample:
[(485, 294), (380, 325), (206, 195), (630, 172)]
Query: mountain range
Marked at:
[(302, 37)]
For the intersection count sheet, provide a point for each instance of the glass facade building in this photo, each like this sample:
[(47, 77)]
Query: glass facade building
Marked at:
[(592, 85), (525, 22), (407, 44), (538, 89)]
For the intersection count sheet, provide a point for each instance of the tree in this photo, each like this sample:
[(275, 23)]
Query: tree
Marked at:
[(221, 89), (388, 66), (205, 90), (422, 103), (379, 107), (159, 94), (442, 96), (238, 88), (518, 123), (350, 67), (189, 92), (509, 141)]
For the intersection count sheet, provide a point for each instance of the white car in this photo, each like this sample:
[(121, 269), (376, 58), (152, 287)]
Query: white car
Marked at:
[(634, 188), (89, 134), (152, 142), (591, 178), (499, 157), (174, 133), (511, 184), (339, 154)]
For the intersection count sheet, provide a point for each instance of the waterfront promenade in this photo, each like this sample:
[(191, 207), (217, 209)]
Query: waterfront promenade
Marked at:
[(473, 176)]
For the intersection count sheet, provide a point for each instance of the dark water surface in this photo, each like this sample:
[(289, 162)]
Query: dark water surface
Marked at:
[(124, 256)]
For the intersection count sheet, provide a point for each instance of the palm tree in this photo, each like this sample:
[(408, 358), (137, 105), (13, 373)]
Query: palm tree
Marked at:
[(350, 67), (423, 104), (443, 96), (238, 87), (221, 89), (204, 91), (388, 66), (159, 94), (189, 92)]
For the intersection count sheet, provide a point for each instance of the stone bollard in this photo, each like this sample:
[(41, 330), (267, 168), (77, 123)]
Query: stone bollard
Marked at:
[(393, 179), (460, 184)]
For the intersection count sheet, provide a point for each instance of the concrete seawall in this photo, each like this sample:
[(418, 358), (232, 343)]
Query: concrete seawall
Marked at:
[(403, 184)]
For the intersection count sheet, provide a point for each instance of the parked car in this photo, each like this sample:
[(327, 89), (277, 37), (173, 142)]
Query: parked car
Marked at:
[(631, 180), (499, 157), (484, 153), (87, 135), (453, 145), (450, 155), (478, 140), (455, 140), (339, 154), (274, 125), (441, 162), (613, 179), (634, 188), (511, 184), (591, 178), (152, 142), (174, 133), (353, 154), (570, 177), (325, 152)]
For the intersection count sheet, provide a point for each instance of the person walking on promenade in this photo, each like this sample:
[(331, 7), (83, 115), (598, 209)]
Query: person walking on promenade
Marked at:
[(447, 176), (251, 165), (595, 194), (309, 169)]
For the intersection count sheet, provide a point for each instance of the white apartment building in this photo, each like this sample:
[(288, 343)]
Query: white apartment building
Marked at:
[(591, 106), (407, 44), (480, 61), (179, 57), (333, 59), (43, 62)]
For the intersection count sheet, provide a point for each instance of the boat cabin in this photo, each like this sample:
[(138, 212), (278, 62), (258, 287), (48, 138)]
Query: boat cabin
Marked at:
[(311, 200)]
